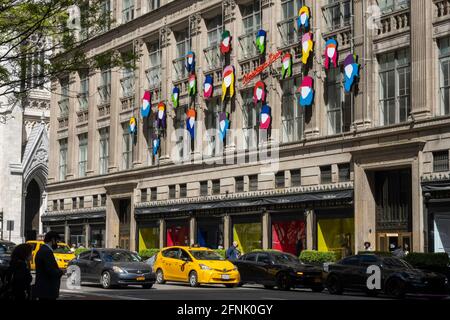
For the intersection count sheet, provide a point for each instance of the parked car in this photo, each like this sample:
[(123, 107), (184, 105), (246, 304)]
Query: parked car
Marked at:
[(63, 254), (113, 267), (277, 269), (398, 277), (6, 249), (195, 266)]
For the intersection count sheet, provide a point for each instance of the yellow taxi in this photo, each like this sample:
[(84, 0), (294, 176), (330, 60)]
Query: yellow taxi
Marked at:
[(195, 266), (62, 254)]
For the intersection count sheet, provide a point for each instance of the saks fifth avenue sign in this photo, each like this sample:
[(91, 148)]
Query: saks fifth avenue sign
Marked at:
[(272, 58)]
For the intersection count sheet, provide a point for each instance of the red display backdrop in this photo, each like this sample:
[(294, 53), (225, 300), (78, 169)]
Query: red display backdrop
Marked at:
[(177, 236), (285, 235)]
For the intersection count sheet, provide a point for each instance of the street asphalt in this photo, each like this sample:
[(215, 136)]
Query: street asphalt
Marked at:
[(178, 291)]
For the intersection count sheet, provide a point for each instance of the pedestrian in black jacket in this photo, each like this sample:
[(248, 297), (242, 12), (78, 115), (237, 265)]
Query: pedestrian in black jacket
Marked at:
[(18, 276), (48, 274)]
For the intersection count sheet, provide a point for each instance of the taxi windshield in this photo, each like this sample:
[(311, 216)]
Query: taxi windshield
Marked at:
[(62, 248), (206, 255)]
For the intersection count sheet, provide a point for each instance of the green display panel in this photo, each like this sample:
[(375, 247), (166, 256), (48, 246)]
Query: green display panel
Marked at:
[(248, 236), (148, 238)]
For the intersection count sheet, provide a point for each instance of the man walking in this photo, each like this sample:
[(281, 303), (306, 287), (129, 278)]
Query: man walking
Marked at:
[(233, 253), (48, 274)]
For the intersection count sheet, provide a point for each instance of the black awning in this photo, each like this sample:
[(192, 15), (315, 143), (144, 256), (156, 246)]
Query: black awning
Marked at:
[(441, 186), (73, 216), (298, 198)]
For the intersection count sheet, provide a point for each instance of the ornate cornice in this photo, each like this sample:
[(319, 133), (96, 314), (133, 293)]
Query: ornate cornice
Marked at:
[(251, 194), (73, 211), (436, 177)]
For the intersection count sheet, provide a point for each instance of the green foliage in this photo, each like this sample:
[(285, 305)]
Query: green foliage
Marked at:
[(81, 250), (378, 253), (428, 260), (317, 257), (148, 253), (221, 252)]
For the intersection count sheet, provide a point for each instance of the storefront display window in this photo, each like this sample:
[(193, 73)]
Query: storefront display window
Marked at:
[(289, 236), (77, 236), (442, 233), (336, 234), (148, 238), (248, 236), (210, 233), (177, 234), (97, 236)]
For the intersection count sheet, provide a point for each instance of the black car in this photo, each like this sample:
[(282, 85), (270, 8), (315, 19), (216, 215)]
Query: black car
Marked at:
[(398, 277), (278, 269), (6, 249), (113, 267)]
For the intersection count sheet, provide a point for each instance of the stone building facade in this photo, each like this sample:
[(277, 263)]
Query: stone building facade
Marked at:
[(369, 165)]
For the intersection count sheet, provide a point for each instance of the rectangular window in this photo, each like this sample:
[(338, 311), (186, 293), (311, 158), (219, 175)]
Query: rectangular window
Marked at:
[(127, 147), (440, 161), (296, 179), (104, 90), (292, 116), (82, 154), (95, 201), (74, 203), (344, 172), (250, 118), (183, 47), (387, 6), (103, 200), (325, 174), (104, 150), (64, 99), (338, 103), (183, 190), (61, 204), (127, 10), (154, 194), (55, 205), (127, 82), (151, 135), (81, 202), (239, 184), (251, 22), (279, 180), (105, 14), (204, 188), (62, 159), (153, 4), (83, 96), (337, 13), (216, 186), (395, 81), (287, 26), (153, 73), (211, 124), (253, 183), (444, 79), (212, 52), (182, 136), (144, 195), (172, 192)]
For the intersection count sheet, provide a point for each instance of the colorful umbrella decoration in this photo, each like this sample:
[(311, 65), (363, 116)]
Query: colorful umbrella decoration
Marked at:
[(175, 97), (146, 104), (307, 46), (208, 87), (225, 45), (133, 126), (228, 81), (331, 53), (351, 71), (259, 92), (306, 92), (303, 18), (224, 124), (161, 118), (192, 86), (286, 65), (190, 61), (261, 41), (265, 117), (156, 144), (190, 122)]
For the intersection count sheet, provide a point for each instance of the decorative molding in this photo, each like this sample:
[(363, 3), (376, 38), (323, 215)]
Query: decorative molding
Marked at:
[(436, 177), (50, 213)]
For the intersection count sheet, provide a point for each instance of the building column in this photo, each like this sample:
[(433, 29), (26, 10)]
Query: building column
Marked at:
[(421, 62), (265, 230), (112, 224), (87, 234), (66, 233), (115, 129), (166, 91), (133, 227), (310, 227), (364, 215), (192, 230), (42, 210), (92, 159), (419, 228), (162, 233), (226, 231)]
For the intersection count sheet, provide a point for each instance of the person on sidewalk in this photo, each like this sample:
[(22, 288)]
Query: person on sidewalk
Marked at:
[(233, 252), (48, 274), (18, 275), (367, 246)]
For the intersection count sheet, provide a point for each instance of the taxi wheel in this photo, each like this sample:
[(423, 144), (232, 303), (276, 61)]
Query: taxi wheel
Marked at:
[(160, 277), (106, 280), (193, 279)]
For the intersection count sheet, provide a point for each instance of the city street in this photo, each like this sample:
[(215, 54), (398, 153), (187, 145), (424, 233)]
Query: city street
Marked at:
[(176, 291)]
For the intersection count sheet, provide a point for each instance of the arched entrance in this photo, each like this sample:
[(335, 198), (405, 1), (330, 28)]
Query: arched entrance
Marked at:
[(32, 207)]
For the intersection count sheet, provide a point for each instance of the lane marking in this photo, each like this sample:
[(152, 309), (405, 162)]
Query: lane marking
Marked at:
[(88, 293)]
